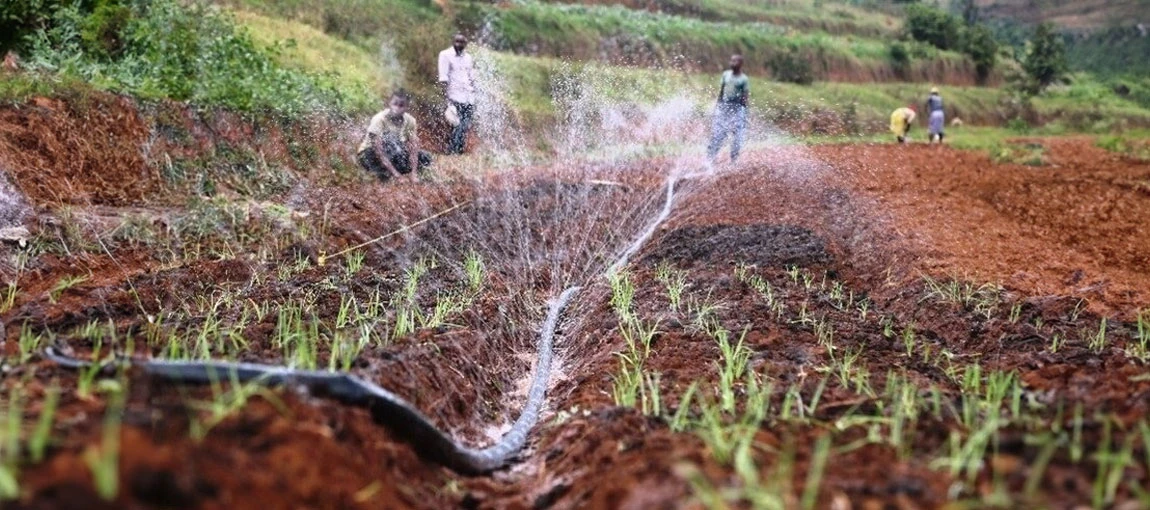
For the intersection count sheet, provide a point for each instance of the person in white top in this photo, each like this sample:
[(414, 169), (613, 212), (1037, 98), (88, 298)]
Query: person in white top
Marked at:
[(457, 77)]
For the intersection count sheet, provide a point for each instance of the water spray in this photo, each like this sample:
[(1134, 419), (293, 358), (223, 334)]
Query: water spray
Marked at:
[(386, 407), (398, 415)]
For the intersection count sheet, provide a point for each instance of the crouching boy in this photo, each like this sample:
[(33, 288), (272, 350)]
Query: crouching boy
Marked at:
[(391, 146)]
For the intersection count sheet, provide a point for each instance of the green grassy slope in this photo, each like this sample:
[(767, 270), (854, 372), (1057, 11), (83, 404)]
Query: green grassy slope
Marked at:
[(617, 34), (369, 47), (304, 47), (1083, 107), (801, 15)]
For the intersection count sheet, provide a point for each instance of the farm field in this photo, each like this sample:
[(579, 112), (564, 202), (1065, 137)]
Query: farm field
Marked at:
[(210, 300), (835, 326)]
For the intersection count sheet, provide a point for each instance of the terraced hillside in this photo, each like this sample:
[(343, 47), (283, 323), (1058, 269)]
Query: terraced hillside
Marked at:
[(1073, 15)]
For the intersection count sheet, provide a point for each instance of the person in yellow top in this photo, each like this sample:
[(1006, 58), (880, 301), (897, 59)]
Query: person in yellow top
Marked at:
[(900, 122), (391, 145)]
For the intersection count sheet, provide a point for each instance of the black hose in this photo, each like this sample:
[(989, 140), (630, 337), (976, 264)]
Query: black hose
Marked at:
[(386, 408)]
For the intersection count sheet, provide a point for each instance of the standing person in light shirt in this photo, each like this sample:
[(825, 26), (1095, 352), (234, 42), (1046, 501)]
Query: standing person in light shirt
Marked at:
[(730, 111), (936, 119), (457, 77)]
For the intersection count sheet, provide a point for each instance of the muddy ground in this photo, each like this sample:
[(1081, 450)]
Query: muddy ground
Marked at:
[(917, 264)]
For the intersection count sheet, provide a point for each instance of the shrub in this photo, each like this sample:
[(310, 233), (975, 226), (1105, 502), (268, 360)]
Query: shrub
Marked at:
[(163, 49), (20, 18), (791, 66), (1018, 125), (933, 26), (102, 30), (900, 60), (948, 32)]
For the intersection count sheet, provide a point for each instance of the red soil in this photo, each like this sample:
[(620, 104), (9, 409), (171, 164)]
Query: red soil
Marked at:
[(875, 218)]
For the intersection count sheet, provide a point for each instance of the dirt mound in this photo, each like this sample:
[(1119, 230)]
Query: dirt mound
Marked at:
[(760, 245), (106, 150), (85, 152)]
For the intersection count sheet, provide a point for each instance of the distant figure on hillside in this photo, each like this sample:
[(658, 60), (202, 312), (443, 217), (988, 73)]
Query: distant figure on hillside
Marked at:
[(730, 111), (391, 145), (936, 119), (900, 122), (457, 77)]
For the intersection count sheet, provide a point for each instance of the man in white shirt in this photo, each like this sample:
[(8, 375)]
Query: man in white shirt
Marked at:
[(457, 76)]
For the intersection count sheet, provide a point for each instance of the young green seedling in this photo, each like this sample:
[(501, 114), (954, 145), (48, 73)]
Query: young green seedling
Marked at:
[(475, 270), (104, 460), (43, 432)]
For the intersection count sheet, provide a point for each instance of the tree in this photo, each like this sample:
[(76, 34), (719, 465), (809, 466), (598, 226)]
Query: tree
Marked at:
[(1044, 60), (983, 50), (946, 31), (933, 26)]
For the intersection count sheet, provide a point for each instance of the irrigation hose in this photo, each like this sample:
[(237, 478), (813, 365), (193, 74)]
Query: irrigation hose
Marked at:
[(387, 408)]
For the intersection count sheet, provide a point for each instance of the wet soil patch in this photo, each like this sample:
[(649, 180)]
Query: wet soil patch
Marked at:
[(760, 245)]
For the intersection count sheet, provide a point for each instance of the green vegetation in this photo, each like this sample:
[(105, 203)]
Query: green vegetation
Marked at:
[(640, 37), (947, 32), (308, 49), (293, 57), (934, 26), (104, 460), (1127, 144), (790, 66), (1044, 60), (1114, 51), (801, 15), (12, 448), (167, 50), (403, 35)]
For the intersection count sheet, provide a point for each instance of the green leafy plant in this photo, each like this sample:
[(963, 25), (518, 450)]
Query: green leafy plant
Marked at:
[(732, 367), (226, 403), (13, 414), (622, 295), (174, 50), (38, 442), (354, 261), (790, 65), (675, 282), (104, 460), (8, 299), (476, 271), (64, 284)]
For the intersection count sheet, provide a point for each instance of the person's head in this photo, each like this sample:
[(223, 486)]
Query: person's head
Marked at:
[(737, 62), (911, 108), (459, 42), (399, 102), (934, 90)]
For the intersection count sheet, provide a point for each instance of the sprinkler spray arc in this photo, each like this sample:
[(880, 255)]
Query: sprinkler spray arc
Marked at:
[(388, 409)]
